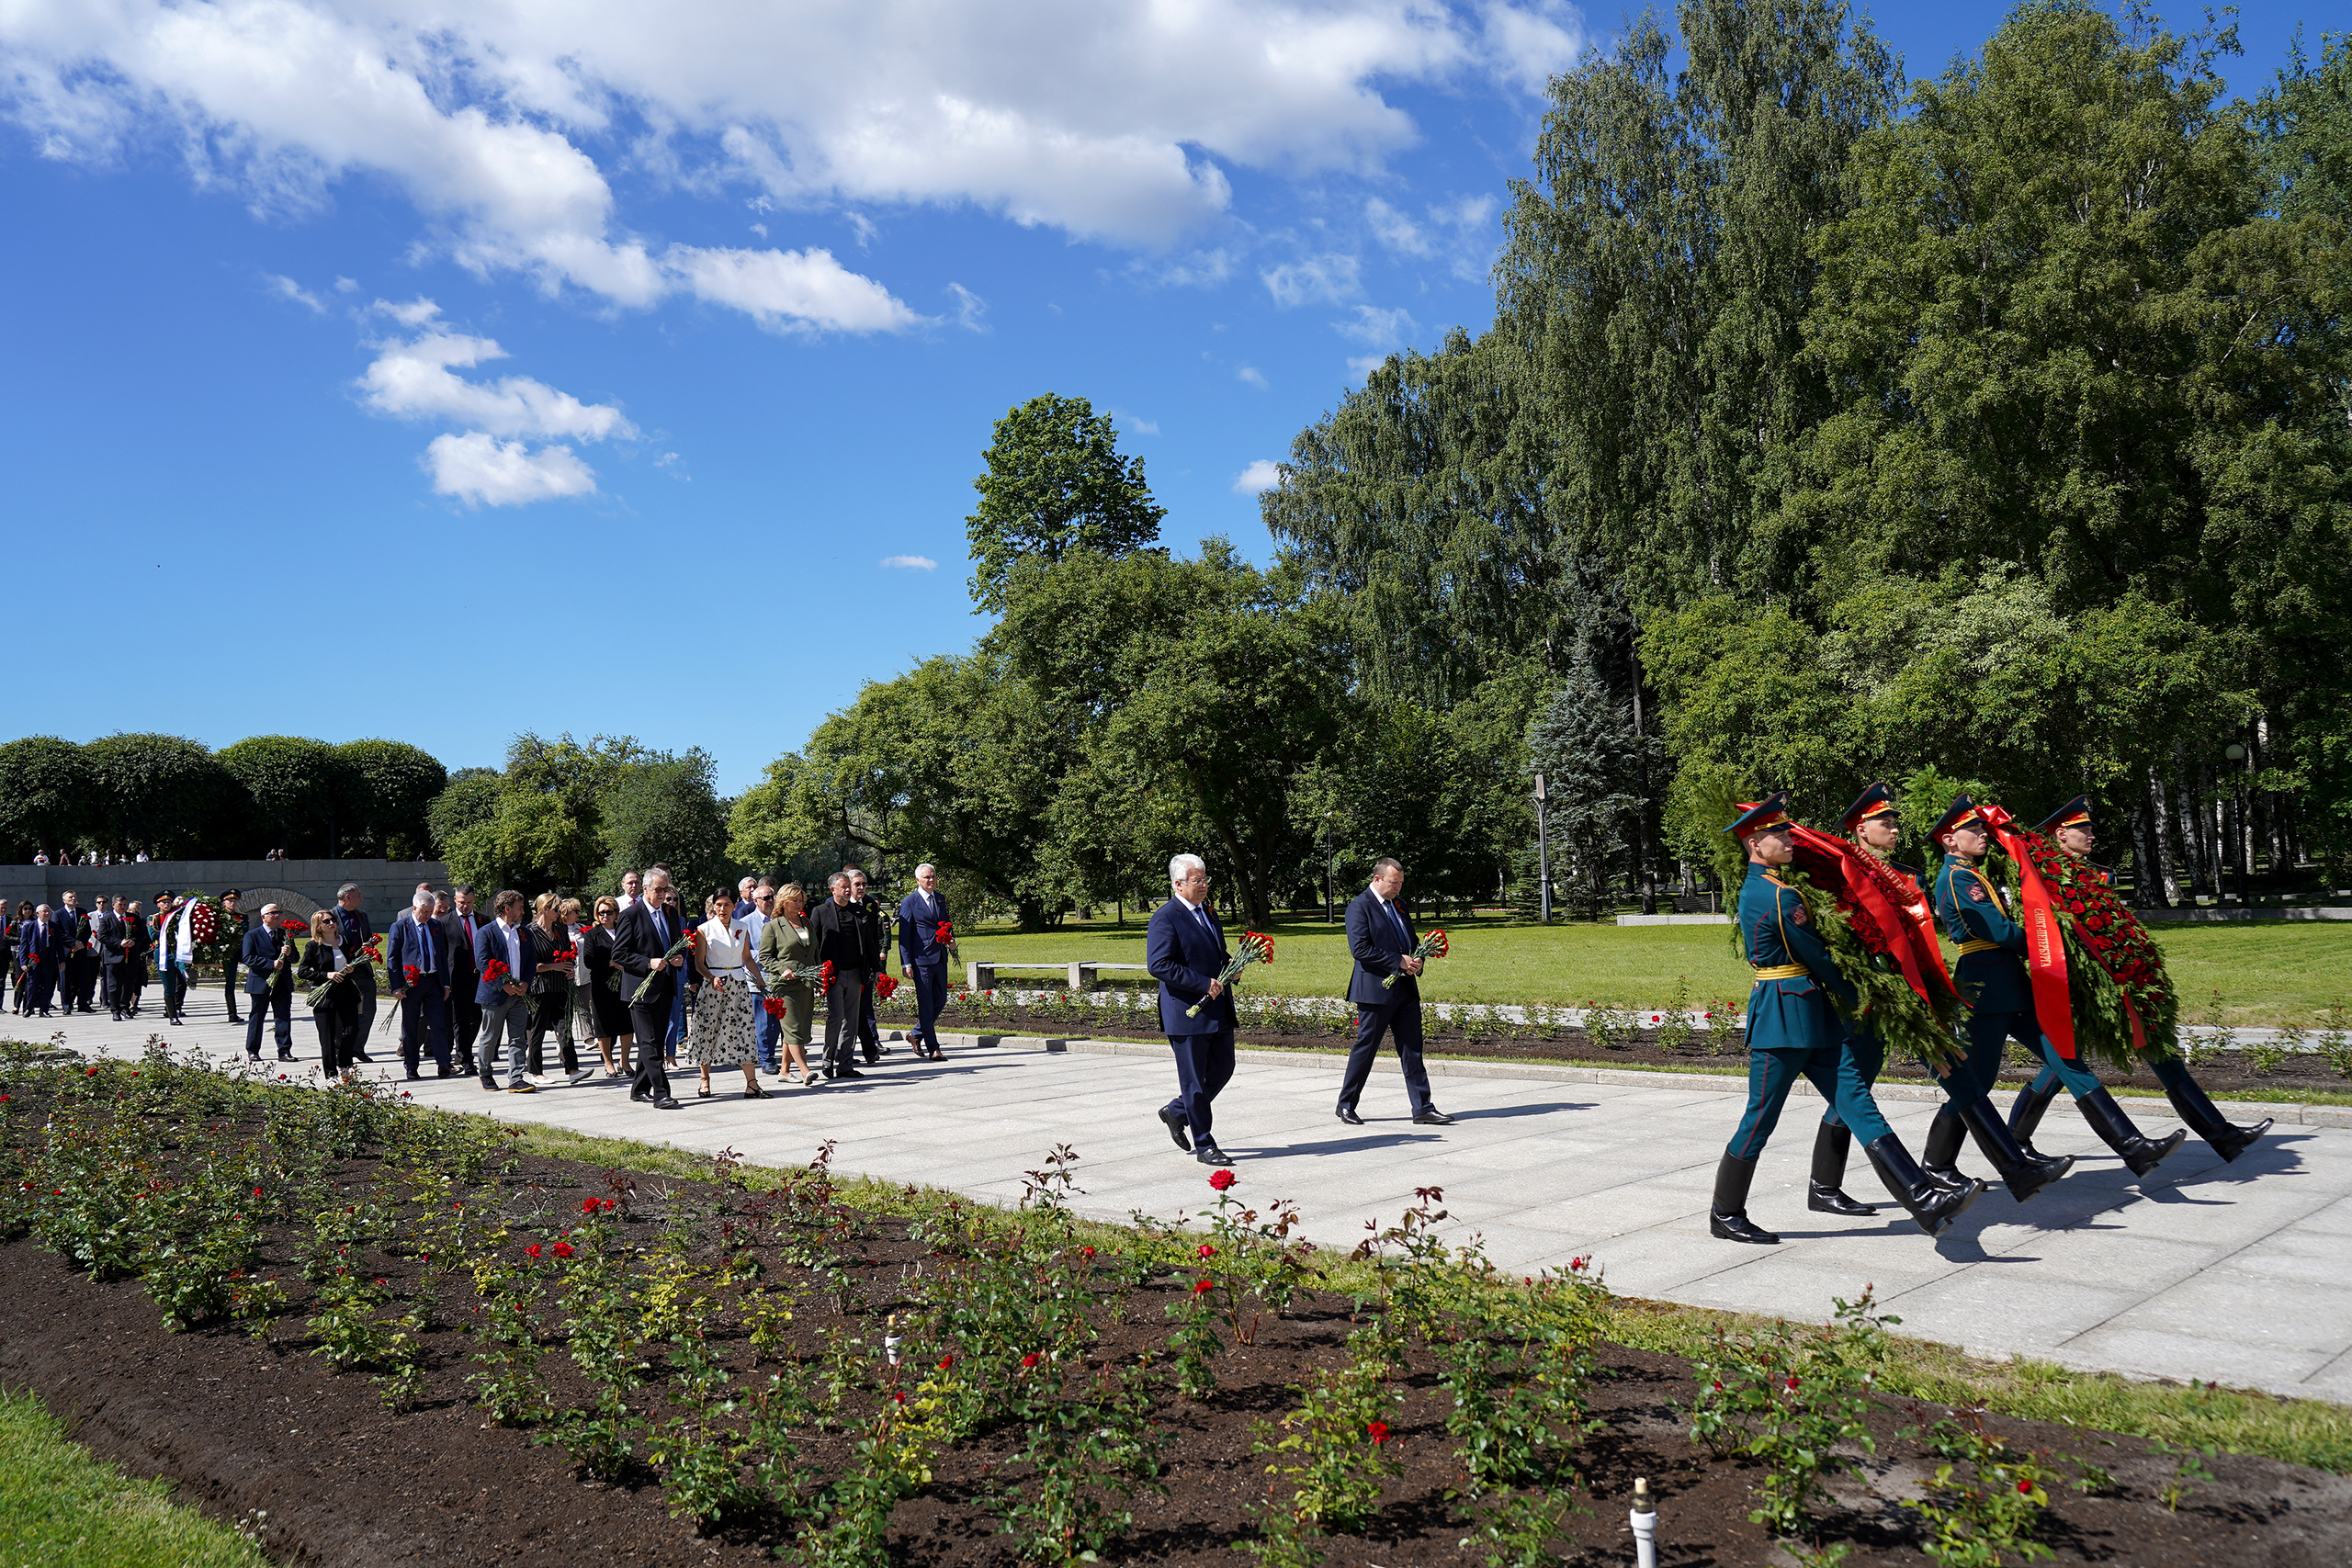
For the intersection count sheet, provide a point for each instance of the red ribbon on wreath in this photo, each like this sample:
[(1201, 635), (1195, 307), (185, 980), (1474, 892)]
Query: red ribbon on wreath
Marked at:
[(2045, 944)]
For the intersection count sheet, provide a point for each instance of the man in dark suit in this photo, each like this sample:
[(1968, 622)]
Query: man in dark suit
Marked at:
[(351, 914), (39, 949), (506, 1003), (851, 944), (111, 935), (920, 914), (230, 940), (77, 966), (869, 1031), (1381, 939), (419, 942), (650, 981), (1184, 949), (463, 924), (268, 958)]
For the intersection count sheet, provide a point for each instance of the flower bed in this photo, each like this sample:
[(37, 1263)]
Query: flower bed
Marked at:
[(399, 1337)]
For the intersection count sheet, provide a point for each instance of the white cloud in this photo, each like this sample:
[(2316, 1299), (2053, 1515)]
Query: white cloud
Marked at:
[(1104, 118), (1394, 230), (911, 563), (1325, 279), (969, 308), (415, 379), (294, 293), (1140, 425), (1252, 375), (787, 290), (1381, 329), (415, 314), (1364, 367), (1261, 475), (483, 470)]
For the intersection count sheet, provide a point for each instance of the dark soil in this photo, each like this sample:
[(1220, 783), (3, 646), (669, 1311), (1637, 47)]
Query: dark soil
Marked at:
[(2222, 1073), (264, 1432)]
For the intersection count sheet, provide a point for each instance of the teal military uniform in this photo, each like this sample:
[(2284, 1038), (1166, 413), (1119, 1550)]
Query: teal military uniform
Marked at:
[(1991, 977), (1793, 1030)]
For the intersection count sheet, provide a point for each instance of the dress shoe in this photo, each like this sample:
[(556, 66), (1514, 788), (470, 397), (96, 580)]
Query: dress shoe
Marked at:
[(1209, 1153), (235, 1017), (414, 1075), (1178, 1128), (849, 1073), (639, 1095), (1347, 1113), (581, 1077), (442, 1073), (1432, 1117), (665, 1103), (285, 1055)]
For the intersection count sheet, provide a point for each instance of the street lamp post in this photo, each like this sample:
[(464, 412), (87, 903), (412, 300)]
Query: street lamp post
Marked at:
[(1329, 870), (1542, 857), (2237, 856)]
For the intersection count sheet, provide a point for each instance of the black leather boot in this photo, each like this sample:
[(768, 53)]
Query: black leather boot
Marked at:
[(2205, 1119), (1940, 1158), (2115, 1130), (1727, 1220), (2025, 1115), (1830, 1143), (1933, 1206), (2026, 1172)]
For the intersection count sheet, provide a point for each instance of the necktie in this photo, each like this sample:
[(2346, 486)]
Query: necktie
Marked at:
[(1402, 930)]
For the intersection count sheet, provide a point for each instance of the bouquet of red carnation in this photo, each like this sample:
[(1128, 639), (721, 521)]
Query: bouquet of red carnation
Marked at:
[(692, 938), (885, 986), (295, 927), (495, 974), (1431, 946), (413, 974), (772, 1006), (564, 954), (825, 976), (946, 937), (1255, 947)]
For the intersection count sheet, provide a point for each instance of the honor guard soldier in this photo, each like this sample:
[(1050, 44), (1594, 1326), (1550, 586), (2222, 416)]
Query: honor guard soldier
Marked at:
[(1872, 823), (1991, 976), (2069, 827), (1793, 1033)]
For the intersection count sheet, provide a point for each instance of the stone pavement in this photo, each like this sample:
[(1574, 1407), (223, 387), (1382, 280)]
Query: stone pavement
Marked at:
[(2241, 1273)]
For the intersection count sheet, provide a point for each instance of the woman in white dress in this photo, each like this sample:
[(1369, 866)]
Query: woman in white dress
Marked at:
[(720, 1029)]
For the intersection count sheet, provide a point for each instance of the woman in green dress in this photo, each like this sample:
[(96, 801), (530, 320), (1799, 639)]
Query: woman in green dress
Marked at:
[(788, 960)]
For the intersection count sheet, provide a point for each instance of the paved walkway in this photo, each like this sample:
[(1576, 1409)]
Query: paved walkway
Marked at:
[(2238, 1272)]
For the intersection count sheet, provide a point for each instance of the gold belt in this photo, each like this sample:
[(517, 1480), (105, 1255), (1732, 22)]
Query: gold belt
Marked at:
[(1968, 947), (1780, 971)]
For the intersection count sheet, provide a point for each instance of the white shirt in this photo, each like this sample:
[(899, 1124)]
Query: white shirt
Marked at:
[(721, 953), (514, 951), (749, 928)]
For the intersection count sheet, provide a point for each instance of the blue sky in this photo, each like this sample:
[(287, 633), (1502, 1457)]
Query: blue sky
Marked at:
[(582, 374)]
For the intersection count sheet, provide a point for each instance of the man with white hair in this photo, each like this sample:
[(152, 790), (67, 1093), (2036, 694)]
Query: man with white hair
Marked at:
[(925, 956), (1184, 949), (268, 959), (420, 945)]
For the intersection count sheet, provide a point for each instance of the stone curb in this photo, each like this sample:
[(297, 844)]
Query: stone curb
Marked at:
[(2285, 1115)]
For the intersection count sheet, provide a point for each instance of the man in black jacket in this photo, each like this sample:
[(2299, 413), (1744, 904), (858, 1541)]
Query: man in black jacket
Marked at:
[(79, 973), (1385, 989), (650, 980), (848, 939), (111, 935)]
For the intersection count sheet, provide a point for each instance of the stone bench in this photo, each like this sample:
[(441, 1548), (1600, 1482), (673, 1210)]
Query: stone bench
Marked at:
[(982, 976)]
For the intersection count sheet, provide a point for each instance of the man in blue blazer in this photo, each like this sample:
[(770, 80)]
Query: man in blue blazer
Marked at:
[(420, 942), (651, 978), (268, 958), (505, 1006), (37, 949), (1184, 949), (920, 914), (1380, 938)]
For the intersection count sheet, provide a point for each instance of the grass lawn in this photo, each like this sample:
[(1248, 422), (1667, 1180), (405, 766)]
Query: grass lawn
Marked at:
[(60, 1505), (2265, 974)]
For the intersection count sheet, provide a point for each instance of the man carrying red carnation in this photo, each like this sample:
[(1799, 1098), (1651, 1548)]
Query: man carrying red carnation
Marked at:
[(2070, 829), (1184, 949), (1387, 992)]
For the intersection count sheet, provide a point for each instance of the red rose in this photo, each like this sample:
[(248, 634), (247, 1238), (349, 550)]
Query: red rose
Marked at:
[(1377, 1431), (1203, 1287), (1223, 1180)]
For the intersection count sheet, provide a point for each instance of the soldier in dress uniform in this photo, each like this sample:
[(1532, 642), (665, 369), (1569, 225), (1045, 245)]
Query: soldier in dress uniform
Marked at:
[(1991, 977), (1876, 828), (1794, 1033), (2069, 827)]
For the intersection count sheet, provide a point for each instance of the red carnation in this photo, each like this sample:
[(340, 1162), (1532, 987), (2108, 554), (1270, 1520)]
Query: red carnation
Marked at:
[(297, 927), (944, 934), (885, 986), (772, 1006), (413, 972), (825, 974)]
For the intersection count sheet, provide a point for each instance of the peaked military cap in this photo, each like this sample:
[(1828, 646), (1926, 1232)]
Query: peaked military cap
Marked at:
[(1961, 815), (1877, 800), (1771, 812), (2075, 813)]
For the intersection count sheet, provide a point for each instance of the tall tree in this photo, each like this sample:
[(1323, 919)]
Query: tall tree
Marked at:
[(665, 809), (162, 793), (1055, 482), (1583, 740), (392, 784), (300, 793), (45, 795)]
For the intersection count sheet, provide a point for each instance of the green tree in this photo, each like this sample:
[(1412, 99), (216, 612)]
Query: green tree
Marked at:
[(46, 797), (1055, 483), (540, 828), (1583, 740), (393, 784), (162, 793), (666, 811), (293, 793)]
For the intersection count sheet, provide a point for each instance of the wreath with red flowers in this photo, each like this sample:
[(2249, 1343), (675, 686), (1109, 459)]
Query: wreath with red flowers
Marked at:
[(2115, 973)]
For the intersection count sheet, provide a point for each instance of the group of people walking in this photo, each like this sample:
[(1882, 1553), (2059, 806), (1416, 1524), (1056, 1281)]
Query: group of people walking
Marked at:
[(73, 960), (477, 987)]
